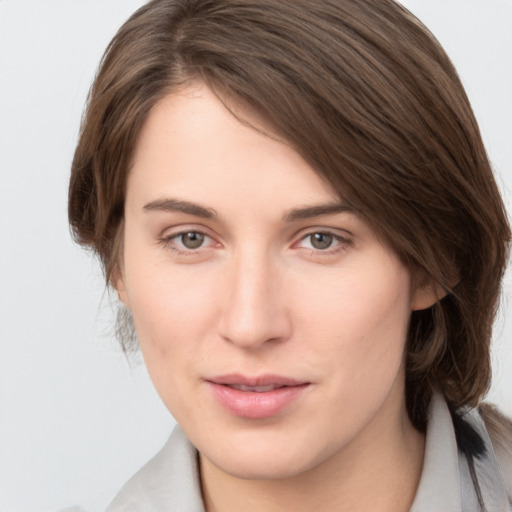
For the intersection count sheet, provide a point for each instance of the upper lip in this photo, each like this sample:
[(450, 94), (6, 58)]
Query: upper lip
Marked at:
[(261, 380)]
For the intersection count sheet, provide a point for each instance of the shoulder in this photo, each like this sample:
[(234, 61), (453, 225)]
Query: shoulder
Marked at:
[(169, 481), (499, 428)]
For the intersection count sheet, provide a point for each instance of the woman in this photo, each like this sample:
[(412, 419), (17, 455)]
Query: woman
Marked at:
[(293, 202)]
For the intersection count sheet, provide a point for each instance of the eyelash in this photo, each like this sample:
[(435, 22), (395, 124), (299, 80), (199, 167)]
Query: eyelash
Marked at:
[(341, 244), (167, 242)]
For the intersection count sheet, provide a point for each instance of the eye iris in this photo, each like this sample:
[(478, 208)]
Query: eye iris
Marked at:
[(192, 240), (321, 240)]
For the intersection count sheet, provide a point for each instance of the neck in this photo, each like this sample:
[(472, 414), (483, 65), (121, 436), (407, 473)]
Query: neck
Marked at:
[(379, 470)]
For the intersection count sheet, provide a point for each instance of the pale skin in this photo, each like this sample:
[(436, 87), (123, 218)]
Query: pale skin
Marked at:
[(239, 258)]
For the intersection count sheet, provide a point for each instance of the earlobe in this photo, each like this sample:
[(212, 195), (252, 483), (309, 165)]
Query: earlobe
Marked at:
[(119, 286), (427, 294), (121, 294)]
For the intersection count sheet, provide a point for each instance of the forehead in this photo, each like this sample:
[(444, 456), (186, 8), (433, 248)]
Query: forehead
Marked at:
[(193, 144)]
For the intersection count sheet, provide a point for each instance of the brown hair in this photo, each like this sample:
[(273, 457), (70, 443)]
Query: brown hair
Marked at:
[(370, 100)]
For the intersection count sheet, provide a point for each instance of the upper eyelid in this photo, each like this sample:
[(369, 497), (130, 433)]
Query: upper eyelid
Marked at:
[(172, 232), (336, 232), (168, 239), (337, 237)]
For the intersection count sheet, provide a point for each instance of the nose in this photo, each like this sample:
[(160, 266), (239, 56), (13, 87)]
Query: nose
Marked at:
[(253, 309)]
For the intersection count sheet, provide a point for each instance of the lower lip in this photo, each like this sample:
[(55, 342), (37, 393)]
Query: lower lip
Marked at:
[(253, 405)]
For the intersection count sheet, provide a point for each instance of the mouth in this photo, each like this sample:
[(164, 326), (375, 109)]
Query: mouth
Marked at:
[(256, 398), (254, 389)]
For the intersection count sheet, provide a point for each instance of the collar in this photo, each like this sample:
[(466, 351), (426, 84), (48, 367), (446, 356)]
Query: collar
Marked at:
[(169, 481), (446, 482)]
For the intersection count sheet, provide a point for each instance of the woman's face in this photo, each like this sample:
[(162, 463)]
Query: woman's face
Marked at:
[(271, 318)]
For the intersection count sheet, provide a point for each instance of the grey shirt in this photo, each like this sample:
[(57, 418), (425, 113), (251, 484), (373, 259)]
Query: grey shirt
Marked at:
[(170, 481)]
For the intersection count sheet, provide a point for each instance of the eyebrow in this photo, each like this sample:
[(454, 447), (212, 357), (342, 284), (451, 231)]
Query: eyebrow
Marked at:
[(318, 211), (175, 205), (294, 215)]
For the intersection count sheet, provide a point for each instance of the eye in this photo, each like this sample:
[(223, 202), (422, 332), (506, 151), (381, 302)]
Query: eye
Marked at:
[(191, 239), (187, 241), (323, 242)]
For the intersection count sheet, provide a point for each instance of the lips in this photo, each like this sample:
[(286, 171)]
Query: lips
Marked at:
[(256, 398), (255, 389)]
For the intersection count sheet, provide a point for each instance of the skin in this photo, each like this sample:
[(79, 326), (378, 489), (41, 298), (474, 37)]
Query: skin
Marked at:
[(257, 296)]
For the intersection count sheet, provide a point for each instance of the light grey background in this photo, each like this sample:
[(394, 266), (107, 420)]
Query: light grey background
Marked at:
[(75, 419)]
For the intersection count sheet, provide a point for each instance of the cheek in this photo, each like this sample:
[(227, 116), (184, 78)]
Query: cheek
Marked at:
[(173, 309), (172, 317), (169, 308), (360, 324)]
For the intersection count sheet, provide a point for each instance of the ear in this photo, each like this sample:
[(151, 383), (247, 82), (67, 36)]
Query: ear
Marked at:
[(426, 293), (118, 281)]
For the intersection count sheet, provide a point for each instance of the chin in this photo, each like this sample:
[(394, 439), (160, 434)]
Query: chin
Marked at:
[(275, 459), (261, 468)]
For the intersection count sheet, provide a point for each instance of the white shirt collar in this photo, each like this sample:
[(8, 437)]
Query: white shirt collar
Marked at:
[(446, 483)]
